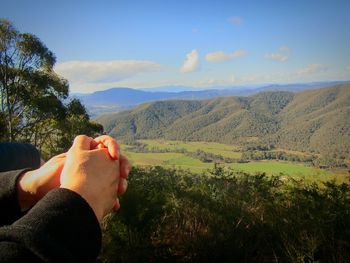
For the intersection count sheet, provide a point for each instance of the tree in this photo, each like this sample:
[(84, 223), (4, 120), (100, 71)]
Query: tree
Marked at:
[(76, 121), (29, 88), (34, 105)]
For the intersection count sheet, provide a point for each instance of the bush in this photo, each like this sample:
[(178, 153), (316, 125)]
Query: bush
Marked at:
[(224, 216)]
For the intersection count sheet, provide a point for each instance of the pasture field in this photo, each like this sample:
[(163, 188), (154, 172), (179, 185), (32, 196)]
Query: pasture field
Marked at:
[(293, 170), (231, 151), (179, 160)]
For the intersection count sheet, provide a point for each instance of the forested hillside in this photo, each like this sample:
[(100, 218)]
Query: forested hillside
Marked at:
[(119, 99), (312, 120)]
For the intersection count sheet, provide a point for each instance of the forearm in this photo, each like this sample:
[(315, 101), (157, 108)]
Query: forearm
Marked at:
[(9, 205), (61, 227)]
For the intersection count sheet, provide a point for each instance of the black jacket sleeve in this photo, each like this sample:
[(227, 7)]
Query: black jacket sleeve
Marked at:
[(10, 210), (61, 227), (14, 156)]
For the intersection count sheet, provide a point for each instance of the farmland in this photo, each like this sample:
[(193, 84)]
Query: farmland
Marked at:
[(174, 154)]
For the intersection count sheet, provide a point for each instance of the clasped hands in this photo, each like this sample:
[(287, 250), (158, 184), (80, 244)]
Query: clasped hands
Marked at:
[(93, 168)]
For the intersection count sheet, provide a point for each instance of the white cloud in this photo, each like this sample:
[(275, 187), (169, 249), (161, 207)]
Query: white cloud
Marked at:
[(206, 82), (236, 20), (219, 56), (348, 67), (211, 81), (282, 55), (103, 71), (276, 56), (312, 69), (191, 63)]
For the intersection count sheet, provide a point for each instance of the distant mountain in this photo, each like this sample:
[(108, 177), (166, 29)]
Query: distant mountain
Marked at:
[(301, 86), (314, 120), (117, 99), (171, 89), (249, 89)]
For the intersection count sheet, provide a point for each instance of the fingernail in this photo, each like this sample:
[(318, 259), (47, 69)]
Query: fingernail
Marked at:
[(118, 153), (116, 205)]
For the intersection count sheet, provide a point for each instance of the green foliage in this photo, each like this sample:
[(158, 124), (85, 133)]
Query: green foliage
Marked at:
[(3, 130), (277, 155), (176, 216), (76, 122), (30, 90), (33, 97)]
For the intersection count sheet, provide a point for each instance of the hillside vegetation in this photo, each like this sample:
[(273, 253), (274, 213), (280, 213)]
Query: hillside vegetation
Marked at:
[(314, 120), (225, 216), (118, 99)]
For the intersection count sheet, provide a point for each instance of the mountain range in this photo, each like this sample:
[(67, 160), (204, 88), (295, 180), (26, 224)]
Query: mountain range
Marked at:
[(316, 120), (118, 99)]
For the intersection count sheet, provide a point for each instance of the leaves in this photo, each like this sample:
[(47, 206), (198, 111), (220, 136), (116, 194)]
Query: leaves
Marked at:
[(173, 215), (33, 97)]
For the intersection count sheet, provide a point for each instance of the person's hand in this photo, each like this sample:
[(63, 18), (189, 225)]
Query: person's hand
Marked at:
[(34, 185), (108, 142), (93, 174)]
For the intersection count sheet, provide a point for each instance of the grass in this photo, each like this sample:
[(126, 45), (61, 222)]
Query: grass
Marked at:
[(225, 150), (170, 160), (276, 167), (292, 170), (151, 158), (179, 160)]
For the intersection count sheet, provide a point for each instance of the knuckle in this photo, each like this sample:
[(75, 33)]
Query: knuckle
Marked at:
[(79, 138)]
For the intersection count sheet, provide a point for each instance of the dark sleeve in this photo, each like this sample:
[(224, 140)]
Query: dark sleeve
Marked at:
[(10, 210), (62, 227), (14, 156)]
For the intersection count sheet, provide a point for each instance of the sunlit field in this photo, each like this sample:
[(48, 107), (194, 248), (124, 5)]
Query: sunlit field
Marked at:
[(173, 158)]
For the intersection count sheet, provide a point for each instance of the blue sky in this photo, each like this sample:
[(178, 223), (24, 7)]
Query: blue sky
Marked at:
[(204, 44)]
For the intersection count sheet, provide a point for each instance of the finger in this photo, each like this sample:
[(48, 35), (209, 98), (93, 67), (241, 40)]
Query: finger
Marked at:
[(125, 166), (94, 144), (100, 146), (59, 157), (116, 205), (122, 186), (111, 144), (62, 155), (82, 142), (105, 141)]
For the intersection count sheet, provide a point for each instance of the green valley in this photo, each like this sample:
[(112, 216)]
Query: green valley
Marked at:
[(182, 155), (311, 121)]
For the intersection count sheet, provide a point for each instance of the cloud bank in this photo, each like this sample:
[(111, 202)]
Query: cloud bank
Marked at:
[(312, 69), (191, 63), (103, 71), (219, 56), (282, 55)]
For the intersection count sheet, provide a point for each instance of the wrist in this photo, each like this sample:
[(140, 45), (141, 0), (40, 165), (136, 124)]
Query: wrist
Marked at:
[(26, 191), (89, 198)]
